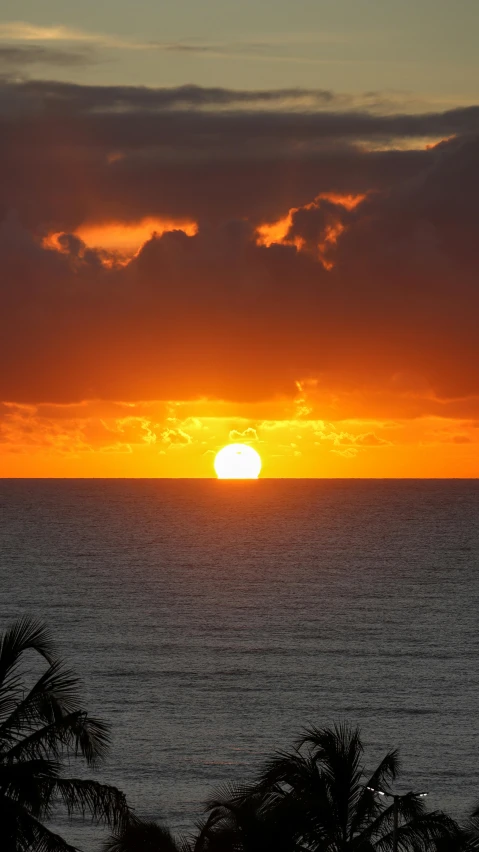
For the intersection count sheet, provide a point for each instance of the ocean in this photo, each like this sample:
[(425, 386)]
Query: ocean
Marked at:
[(211, 622)]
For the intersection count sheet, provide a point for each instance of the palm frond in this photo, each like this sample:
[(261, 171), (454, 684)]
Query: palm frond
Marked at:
[(327, 743), (102, 803), (26, 634), (471, 830), (54, 695), (92, 740), (386, 772), (141, 835), (285, 768), (369, 808), (24, 783), (315, 799), (22, 832), (10, 697), (336, 752), (38, 731), (209, 832), (204, 828), (229, 793), (86, 737), (475, 816), (422, 834), (47, 841), (376, 824), (411, 807)]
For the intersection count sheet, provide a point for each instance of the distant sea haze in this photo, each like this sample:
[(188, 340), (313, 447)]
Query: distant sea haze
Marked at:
[(211, 621)]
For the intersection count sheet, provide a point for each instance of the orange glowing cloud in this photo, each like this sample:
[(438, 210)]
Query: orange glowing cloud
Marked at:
[(128, 237), (122, 240), (349, 202), (178, 439), (274, 232), (280, 231)]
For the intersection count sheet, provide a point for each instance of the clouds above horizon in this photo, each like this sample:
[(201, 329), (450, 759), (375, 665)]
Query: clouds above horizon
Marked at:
[(18, 57), (268, 46), (379, 297)]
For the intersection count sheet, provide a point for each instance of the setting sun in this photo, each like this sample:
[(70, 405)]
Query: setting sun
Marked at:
[(237, 461)]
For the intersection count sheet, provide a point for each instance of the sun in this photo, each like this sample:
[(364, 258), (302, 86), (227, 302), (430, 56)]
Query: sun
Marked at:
[(237, 461)]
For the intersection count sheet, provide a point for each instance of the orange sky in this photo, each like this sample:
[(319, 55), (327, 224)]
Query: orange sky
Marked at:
[(312, 432), (399, 430), (178, 439), (176, 279)]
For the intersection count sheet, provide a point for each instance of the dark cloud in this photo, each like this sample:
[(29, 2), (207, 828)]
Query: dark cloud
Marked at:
[(20, 56), (217, 314), (57, 142), (184, 47), (58, 96), (325, 113)]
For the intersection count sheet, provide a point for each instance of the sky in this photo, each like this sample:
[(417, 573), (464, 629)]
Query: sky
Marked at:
[(239, 222), (427, 47)]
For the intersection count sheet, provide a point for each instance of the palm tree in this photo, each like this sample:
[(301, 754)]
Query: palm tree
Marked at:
[(138, 835), (316, 799), (242, 819), (228, 827), (41, 727), (471, 832)]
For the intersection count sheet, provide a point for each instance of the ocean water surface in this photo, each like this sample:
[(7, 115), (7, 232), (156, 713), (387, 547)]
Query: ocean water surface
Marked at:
[(212, 621)]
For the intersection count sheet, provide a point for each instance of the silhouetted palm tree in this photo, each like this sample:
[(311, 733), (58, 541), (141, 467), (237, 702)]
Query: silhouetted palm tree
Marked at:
[(316, 799), (41, 727), (242, 819), (138, 835), (471, 832)]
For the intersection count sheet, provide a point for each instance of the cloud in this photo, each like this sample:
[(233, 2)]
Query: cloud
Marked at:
[(176, 437), (20, 56), (385, 115), (23, 31), (371, 303), (140, 98), (98, 437), (247, 436), (344, 440), (270, 48), (141, 155)]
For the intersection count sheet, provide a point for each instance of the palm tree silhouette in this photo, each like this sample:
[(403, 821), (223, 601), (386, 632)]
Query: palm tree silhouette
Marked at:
[(316, 799), (41, 727), (471, 832), (242, 819), (138, 835)]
